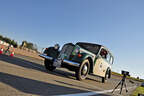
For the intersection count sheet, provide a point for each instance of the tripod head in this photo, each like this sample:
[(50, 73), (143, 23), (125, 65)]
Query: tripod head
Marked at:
[(124, 73)]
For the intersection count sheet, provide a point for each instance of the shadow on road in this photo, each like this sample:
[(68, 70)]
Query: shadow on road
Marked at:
[(35, 87), (30, 86), (73, 85), (32, 65)]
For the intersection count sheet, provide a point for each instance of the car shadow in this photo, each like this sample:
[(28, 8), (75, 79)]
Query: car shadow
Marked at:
[(32, 65), (95, 80), (35, 87), (74, 85)]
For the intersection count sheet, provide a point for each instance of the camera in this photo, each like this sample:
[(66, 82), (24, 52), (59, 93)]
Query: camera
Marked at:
[(126, 73)]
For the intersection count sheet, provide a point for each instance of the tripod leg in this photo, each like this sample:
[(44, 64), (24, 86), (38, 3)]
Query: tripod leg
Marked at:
[(121, 87), (126, 87), (116, 86)]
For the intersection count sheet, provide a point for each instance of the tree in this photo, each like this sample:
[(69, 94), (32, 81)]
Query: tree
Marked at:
[(1, 37), (14, 43), (29, 45), (8, 40)]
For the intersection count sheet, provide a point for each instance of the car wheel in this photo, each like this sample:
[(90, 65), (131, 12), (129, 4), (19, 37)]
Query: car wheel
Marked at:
[(103, 79), (49, 65), (107, 76), (83, 70)]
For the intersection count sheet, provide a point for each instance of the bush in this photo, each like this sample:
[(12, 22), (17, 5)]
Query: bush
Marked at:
[(29, 45)]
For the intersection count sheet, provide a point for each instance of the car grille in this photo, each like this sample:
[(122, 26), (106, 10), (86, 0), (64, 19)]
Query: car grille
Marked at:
[(66, 51)]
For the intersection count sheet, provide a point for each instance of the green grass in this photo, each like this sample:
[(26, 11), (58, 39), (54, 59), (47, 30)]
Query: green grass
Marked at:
[(115, 73), (137, 91), (132, 78)]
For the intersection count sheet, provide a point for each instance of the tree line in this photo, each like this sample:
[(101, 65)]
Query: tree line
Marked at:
[(29, 45), (8, 40), (25, 44)]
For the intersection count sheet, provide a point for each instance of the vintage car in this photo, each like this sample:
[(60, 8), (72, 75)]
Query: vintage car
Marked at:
[(83, 58)]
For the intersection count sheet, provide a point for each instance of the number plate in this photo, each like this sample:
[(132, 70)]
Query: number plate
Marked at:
[(57, 62)]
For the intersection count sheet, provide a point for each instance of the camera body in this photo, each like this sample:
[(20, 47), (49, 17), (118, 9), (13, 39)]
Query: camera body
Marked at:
[(126, 73)]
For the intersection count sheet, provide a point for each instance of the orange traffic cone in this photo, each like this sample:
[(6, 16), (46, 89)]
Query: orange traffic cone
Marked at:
[(1, 50), (12, 54)]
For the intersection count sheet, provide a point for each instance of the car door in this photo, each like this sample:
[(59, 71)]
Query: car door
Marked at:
[(101, 64)]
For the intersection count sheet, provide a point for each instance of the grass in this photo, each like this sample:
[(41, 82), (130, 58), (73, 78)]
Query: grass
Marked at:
[(117, 74), (132, 78), (138, 90)]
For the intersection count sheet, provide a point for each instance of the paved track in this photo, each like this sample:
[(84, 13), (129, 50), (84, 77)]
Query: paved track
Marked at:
[(25, 76)]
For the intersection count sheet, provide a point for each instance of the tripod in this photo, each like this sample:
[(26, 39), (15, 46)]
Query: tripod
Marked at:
[(122, 82)]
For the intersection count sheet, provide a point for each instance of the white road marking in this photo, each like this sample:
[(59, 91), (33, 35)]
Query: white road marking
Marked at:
[(93, 93)]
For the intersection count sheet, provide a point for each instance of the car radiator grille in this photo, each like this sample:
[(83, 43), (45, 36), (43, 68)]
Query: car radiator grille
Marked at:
[(66, 51)]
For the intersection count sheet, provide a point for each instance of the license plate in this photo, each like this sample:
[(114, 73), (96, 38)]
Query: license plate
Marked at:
[(57, 62)]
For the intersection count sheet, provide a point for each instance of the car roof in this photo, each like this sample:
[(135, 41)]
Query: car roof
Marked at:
[(88, 43), (96, 45)]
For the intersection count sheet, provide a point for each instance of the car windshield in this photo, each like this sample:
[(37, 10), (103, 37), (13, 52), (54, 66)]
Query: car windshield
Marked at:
[(94, 48)]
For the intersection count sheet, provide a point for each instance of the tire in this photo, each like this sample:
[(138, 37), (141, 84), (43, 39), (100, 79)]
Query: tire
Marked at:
[(103, 79), (107, 76), (49, 65), (83, 70)]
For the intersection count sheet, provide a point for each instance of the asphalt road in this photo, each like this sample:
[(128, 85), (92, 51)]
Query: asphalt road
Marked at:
[(25, 76)]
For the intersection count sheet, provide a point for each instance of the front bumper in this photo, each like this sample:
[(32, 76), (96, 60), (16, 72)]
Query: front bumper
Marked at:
[(46, 57), (71, 63), (64, 63)]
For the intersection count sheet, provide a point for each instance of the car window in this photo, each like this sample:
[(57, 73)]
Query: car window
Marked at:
[(108, 57), (111, 60), (103, 54), (94, 48)]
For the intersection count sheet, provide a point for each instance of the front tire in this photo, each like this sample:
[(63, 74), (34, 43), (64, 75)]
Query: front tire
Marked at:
[(83, 70), (49, 65)]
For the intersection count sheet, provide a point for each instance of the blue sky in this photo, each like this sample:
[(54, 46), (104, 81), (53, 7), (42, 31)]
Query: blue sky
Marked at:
[(117, 24)]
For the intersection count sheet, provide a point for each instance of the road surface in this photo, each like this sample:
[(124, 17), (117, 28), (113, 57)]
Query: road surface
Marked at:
[(25, 76)]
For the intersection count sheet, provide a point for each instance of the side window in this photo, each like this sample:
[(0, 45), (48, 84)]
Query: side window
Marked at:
[(108, 57), (111, 60), (103, 53)]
